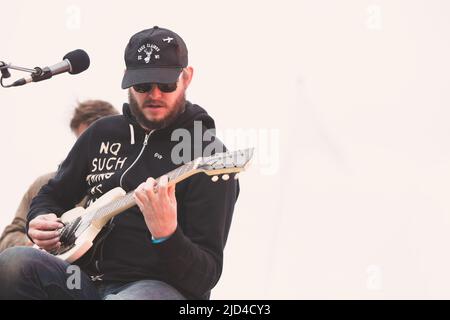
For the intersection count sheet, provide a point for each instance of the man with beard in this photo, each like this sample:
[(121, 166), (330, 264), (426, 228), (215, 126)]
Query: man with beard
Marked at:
[(169, 246)]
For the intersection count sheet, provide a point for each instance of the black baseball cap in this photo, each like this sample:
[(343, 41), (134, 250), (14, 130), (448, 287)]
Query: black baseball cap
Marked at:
[(155, 55)]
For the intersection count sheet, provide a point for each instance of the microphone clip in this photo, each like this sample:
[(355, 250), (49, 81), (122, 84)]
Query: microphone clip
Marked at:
[(41, 74)]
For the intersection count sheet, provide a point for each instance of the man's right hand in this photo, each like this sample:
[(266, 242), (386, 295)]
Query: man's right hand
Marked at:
[(44, 231)]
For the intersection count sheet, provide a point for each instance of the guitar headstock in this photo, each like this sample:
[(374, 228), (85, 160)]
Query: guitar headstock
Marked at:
[(225, 163)]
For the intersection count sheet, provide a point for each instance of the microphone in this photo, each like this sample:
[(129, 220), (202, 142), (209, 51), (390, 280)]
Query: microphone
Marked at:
[(74, 62)]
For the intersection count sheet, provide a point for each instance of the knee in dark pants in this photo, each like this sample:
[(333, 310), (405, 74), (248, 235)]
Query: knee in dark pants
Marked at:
[(28, 273), (21, 272), (16, 262)]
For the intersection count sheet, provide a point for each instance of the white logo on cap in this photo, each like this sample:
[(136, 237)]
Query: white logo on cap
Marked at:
[(149, 55), (168, 39), (148, 50)]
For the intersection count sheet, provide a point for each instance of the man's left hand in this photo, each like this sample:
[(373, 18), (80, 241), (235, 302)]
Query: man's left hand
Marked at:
[(158, 205)]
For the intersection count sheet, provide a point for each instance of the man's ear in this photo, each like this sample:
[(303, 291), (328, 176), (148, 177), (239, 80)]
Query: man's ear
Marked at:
[(188, 74)]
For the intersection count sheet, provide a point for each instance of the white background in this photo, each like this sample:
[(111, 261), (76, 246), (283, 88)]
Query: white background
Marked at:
[(348, 196)]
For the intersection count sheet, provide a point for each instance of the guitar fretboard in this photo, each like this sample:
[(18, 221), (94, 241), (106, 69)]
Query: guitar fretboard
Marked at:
[(128, 201)]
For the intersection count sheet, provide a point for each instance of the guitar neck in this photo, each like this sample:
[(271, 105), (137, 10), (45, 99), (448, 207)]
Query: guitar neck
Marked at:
[(219, 163), (107, 212)]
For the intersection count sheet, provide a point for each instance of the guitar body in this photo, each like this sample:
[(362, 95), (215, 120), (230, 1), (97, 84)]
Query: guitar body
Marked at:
[(84, 242)]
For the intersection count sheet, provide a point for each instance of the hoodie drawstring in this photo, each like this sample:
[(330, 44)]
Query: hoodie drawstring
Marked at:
[(132, 134)]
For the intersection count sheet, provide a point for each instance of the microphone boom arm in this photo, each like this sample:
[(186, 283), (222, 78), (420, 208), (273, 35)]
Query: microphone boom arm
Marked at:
[(35, 73)]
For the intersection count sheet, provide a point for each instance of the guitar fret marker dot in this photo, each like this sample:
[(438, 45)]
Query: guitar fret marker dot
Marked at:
[(215, 178), (225, 177)]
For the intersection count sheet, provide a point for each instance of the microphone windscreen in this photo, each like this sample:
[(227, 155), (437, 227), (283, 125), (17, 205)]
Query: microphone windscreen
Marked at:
[(79, 60)]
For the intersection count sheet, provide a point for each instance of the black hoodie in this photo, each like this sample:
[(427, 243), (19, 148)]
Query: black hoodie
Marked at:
[(112, 153)]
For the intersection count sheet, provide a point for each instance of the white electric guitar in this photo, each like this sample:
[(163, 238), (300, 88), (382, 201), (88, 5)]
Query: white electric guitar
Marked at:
[(81, 226)]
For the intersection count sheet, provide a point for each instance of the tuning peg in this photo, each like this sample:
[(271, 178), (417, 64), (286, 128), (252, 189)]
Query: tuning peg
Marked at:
[(236, 176), (225, 177), (215, 178)]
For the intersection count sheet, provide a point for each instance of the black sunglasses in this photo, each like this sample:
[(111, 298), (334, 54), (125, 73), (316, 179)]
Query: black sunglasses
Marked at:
[(164, 87)]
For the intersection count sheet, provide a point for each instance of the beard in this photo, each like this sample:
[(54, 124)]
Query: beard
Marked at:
[(180, 104)]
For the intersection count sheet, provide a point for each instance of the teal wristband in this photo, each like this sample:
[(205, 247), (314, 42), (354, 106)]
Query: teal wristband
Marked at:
[(159, 240)]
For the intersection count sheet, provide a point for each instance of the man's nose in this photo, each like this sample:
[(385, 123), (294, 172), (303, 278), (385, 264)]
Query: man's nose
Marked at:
[(154, 92)]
